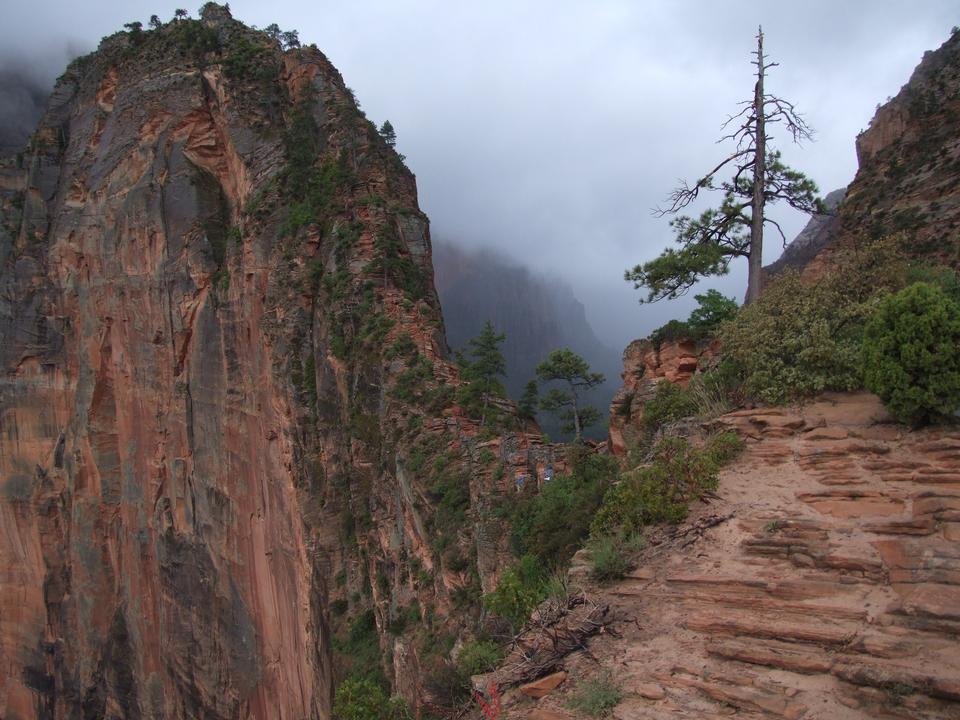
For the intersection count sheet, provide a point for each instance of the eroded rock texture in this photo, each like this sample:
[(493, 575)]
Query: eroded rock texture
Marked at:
[(820, 581), (645, 365), (225, 401), (909, 173)]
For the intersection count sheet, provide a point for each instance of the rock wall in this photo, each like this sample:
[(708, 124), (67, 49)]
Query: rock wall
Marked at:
[(223, 364), (909, 171), (645, 364), (819, 581)]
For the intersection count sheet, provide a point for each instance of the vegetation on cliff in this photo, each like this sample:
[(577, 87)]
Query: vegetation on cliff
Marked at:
[(911, 353)]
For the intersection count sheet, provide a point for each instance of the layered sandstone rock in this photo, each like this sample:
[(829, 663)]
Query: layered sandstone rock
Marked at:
[(226, 400), (645, 365), (820, 581)]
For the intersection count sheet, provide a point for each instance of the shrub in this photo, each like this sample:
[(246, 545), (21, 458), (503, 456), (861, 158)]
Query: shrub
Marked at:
[(795, 341), (478, 656), (359, 651), (713, 309), (520, 590), (670, 403), (358, 699), (716, 391), (551, 524), (723, 448), (661, 491), (911, 354), (596, 696), (944, 277), (607, 558)]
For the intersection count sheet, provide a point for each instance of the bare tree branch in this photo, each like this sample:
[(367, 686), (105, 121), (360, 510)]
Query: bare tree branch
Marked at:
[(779, 229)]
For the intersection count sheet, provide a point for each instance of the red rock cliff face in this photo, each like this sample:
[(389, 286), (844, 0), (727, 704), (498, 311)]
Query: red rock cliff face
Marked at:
[(645, 364), (216, 372), (909, 175)]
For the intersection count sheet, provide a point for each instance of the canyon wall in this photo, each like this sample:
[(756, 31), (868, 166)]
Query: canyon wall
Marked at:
[(226, 403), (908, 180)]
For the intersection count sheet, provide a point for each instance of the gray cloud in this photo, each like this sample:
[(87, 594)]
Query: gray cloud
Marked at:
[(550, 129)]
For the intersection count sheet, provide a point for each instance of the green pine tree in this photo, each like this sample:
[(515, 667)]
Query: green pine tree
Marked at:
[(568, 368), (529, 401), (483, 370)]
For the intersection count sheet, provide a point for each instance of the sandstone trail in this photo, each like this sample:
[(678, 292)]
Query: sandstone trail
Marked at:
[(822, 581)]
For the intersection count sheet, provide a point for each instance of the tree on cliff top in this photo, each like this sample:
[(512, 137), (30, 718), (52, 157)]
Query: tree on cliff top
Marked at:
[(735, 229), (569, 368)]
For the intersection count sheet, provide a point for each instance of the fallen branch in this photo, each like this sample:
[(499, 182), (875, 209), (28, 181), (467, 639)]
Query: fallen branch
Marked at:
[(556, 629)]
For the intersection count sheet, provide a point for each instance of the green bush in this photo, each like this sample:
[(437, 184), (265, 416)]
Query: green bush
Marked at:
[(552, 523), (520, 590), (797, 340), (661, 491), (716, 391), (358, 699), (911, 354), (946, 278), (479, 656), (607, 557), (596, 696), (359, 651), (713, 309), (670, 403)]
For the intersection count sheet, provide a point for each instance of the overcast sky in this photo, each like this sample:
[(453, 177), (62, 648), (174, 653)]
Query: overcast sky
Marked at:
[(550, 129)]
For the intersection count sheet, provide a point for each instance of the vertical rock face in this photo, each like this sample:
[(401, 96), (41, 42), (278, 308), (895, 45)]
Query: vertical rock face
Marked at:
[(645, 365), (909, 172), (220, 348)]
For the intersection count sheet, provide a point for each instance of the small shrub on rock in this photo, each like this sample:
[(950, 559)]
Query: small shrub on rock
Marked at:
[(478, 656), (911, 354), (359, 699), (607, 558), (661, 491), (520, 590), (670, 403), (596, 696)]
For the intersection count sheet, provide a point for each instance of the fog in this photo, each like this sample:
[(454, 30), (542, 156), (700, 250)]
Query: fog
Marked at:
[(548, 130)]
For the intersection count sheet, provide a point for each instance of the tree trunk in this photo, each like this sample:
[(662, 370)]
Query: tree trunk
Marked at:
[(576, 414), (755, 260)]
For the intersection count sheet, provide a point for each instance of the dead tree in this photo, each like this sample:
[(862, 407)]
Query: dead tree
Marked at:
[(735, 229)]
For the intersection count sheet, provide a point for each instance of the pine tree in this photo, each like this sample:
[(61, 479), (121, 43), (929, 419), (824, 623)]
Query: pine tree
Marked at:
[(484, 369), (388, 134), (529, 401), (709, 243), (567, 367)]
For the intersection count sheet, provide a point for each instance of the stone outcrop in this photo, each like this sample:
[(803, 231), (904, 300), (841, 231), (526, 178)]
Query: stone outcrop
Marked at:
[(908, 179), (817, 234), (645, 365), (820, 580), (226, 403)]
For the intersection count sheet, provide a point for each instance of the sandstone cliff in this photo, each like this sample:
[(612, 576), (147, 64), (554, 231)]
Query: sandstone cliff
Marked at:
[(909, 175), (226, 404), (645, 365), (821, 581)]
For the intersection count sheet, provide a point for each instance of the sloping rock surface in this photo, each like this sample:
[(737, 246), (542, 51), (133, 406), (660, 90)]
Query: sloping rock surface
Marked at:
[(831, 592)]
